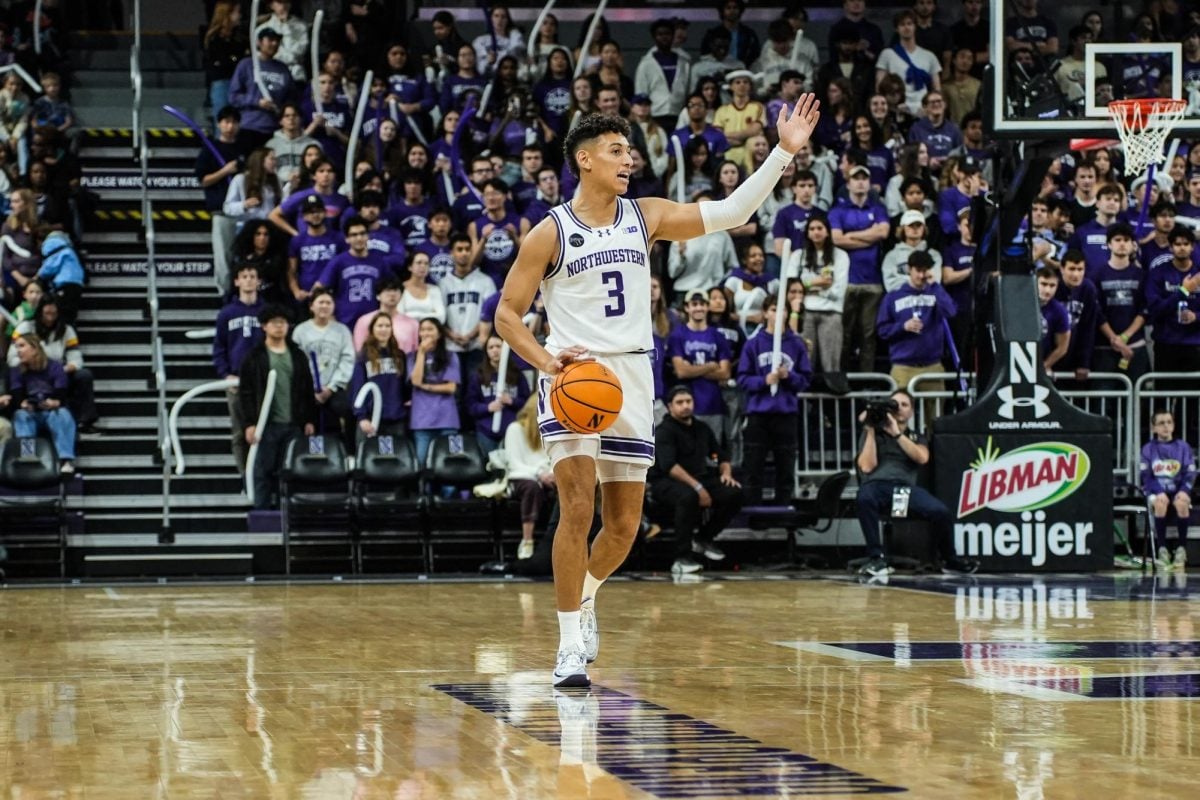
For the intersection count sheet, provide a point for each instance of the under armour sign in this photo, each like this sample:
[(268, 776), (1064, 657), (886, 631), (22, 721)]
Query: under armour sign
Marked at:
[(1035, 400)]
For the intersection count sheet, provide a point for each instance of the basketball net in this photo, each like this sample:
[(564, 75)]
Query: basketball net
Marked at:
[(1143, 126)]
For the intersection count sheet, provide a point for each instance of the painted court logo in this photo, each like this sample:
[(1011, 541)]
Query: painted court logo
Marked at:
[(1026, 479)]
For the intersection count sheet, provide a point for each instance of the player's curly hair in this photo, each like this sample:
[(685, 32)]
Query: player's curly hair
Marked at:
[(591, 127)]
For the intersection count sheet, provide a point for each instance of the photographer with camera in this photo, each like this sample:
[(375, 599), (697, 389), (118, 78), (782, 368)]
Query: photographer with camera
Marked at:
[(889, 457)]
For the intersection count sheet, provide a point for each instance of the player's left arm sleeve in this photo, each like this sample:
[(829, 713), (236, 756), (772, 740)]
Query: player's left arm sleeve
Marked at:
[(736, 210)]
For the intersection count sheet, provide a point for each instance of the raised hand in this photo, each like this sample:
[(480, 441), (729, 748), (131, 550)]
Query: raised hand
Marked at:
[(795, 130)]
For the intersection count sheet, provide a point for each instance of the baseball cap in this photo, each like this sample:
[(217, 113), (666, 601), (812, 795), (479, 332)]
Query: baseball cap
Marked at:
[(312, 203), (912, 217), (969, 164), (269, 33), (696, 296), (640, 99), (862, 168)]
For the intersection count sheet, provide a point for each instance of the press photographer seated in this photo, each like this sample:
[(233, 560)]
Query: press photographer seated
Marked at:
[(889, 457)]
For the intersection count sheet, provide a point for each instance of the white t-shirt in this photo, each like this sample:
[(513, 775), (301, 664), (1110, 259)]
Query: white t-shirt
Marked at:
[(891, 61)]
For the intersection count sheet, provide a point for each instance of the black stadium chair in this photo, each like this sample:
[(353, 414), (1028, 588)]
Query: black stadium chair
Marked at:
[(33, 514), (315, 499), (455, 460), (389, 508), (817, 515)]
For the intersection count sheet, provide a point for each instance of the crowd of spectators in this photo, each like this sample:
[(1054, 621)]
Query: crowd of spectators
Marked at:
[(459, 154), (44, 385)]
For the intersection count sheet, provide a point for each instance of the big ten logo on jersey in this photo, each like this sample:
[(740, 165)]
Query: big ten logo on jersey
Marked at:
[(1023, 401)]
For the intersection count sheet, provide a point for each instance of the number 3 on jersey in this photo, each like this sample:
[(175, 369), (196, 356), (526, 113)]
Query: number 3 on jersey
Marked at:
[(617, 307)]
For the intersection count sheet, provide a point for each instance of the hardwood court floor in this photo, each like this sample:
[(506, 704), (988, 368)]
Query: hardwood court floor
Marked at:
[(713, 689)]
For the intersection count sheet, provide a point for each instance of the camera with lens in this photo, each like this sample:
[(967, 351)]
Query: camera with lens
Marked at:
[(878, 410)]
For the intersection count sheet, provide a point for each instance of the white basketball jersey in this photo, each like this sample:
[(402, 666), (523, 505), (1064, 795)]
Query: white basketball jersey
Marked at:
[(597, 291)]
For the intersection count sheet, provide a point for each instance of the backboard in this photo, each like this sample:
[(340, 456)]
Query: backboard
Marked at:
[(1043, 93)]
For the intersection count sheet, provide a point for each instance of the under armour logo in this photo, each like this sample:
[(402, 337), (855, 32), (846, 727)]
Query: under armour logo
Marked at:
[(1036, 402)]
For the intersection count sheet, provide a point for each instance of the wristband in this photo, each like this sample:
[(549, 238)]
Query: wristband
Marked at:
[(699, 487), (1124, 337)]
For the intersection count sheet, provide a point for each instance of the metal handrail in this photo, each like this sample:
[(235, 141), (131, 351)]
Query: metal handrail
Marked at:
[(141, 153), (135, 75)]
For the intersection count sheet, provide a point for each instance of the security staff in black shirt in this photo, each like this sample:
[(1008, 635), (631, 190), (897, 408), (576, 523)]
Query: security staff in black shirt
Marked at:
[(692, 475)]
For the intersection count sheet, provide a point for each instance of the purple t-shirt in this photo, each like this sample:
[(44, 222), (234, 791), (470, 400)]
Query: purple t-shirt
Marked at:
[(848, 217), (499, 246), (411, 221), (335, 204), (1055, 320), (354, 282), (715, 137), (430, 410), (313, 254), (708, 346), (388, 242), (1122, 298), (959, 256), (791, 222), (440, 261)]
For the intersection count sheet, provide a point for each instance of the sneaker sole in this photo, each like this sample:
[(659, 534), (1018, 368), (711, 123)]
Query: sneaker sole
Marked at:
[(576, 681)]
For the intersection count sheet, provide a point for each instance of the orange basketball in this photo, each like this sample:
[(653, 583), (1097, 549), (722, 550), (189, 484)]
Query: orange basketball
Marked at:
[(586, 397)]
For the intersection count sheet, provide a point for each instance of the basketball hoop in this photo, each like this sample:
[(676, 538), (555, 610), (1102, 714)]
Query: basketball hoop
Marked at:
[(1143, 126)]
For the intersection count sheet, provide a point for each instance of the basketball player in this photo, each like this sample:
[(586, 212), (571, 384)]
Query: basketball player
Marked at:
[(590, 258)]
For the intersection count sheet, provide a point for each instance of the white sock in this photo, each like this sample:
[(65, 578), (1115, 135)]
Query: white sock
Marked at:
[(591, 585), (569, 635)]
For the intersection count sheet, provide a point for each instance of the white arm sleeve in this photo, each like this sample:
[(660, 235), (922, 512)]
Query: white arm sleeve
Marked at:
[(735, 210)]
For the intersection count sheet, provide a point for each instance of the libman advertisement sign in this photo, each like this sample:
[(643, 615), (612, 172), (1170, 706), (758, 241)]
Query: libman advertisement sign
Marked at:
[(1017, 509)]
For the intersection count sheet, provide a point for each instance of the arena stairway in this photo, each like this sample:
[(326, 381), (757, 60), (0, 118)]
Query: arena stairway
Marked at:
[(122, 468)]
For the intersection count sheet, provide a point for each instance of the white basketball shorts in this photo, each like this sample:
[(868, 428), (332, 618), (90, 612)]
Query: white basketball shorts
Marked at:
[(631, 438)]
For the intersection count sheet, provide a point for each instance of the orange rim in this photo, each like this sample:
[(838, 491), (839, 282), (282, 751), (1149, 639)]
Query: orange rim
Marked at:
[(1139, 111)]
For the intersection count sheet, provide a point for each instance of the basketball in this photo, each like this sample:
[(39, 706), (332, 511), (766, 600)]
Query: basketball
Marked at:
[(586, 397)]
